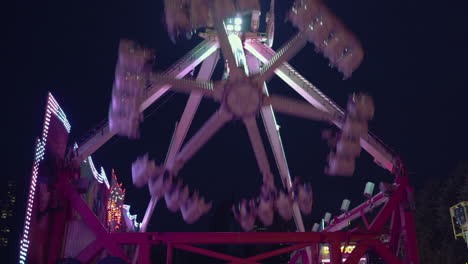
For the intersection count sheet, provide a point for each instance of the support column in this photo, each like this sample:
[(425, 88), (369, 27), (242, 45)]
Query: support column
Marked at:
[(395, 231), (169, 253), (335, 253), (144, 256), (409, 234)]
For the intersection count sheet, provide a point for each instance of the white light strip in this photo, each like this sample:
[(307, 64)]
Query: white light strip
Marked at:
[(51, 108), (132, 218), (104, 177), (100, 177), (96, 174)]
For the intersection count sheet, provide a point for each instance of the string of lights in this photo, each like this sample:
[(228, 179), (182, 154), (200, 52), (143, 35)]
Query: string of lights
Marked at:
[(52, 108), (100, 177), (115, 205)]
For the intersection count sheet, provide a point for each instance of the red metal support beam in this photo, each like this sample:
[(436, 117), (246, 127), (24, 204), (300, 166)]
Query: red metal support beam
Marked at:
[(295, 258), (235, 260), (395, 231), (388, 208), (409, 234), (241, 238), (315, 254), (90, 252), (213, 254), (335, 253), (365, 240), (379, 222), (277, 252), (395, 206), (102, 236), (82, 208), (144, 254), (169, 253), (342, 221), (386, 254), (301, 240), (305, 259), (364, 219), (407, 218)]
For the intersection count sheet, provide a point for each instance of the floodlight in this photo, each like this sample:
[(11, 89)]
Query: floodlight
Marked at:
[(238, 21), (369, 190), (237, 28), (230, 27), (345, 205)]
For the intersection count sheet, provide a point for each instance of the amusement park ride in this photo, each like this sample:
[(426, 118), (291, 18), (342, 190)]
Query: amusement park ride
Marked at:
[(242, 95)]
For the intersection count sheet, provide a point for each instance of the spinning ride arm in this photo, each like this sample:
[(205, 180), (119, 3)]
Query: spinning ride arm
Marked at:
[(178, 70), (272, 129), (297, 108), (259, 148), (283, 55), (207, 88), (270, 24), (216, 121), (205, 73), (315, 97)]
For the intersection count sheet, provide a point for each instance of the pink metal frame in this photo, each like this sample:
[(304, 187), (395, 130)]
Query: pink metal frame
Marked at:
[(385, 241), (396, 211)]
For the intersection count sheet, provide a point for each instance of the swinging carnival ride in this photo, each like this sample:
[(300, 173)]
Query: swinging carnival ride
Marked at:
[(242, 95)]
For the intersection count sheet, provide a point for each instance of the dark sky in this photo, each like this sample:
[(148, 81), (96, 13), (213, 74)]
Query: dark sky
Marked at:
[(414, 67)]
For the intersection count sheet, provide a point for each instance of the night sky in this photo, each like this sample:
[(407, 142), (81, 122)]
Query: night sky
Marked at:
[(414, 67)]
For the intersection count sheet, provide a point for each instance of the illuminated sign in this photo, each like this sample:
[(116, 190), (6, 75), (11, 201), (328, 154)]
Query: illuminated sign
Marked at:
[(345, 252)]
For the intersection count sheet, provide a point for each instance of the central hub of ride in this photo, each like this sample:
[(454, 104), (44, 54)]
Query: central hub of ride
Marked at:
[(242, 98)]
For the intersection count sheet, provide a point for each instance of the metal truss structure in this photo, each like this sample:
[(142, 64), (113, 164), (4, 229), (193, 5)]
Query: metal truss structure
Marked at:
[(396, 205), (390, 231), (242, 96)]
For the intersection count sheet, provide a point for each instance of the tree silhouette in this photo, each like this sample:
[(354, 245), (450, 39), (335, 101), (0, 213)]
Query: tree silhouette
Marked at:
[(436, 242)]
